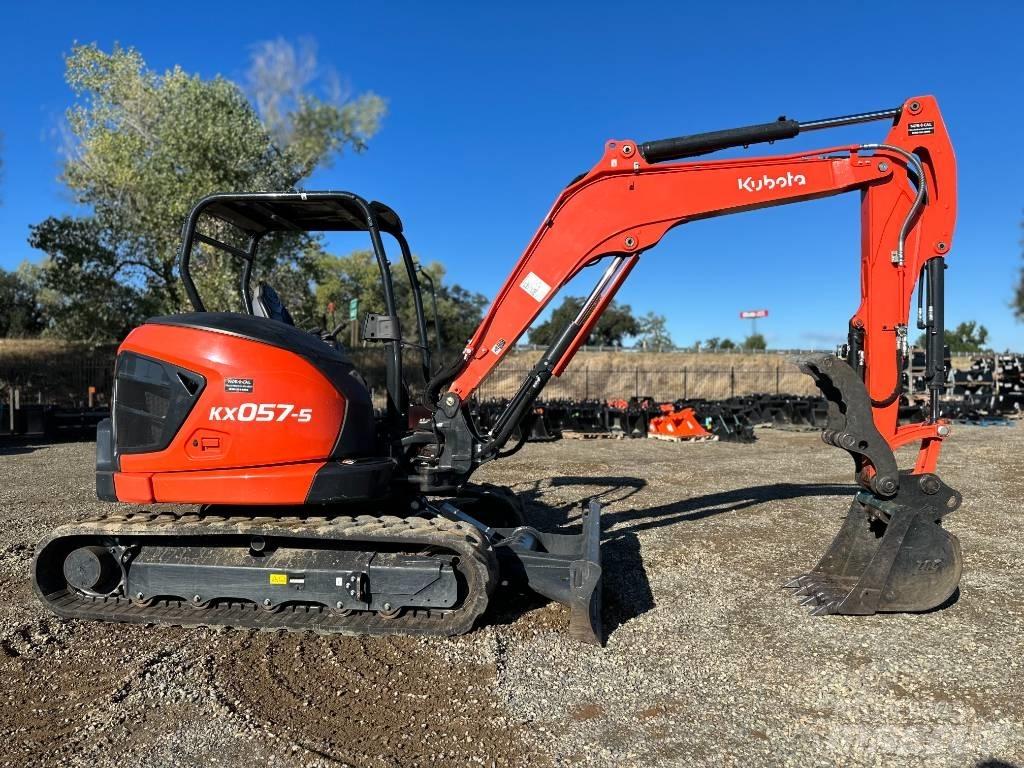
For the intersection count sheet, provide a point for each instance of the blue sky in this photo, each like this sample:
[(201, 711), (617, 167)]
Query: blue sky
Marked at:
[(495, 107)]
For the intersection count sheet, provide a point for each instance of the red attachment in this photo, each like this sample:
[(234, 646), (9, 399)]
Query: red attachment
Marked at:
[(625, 205), (677, 425)]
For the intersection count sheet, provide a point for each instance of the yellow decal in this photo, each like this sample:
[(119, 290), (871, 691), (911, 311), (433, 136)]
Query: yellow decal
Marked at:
[(279, 578)]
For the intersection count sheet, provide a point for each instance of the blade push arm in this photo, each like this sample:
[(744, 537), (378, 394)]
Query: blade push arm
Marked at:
[(626, 203)]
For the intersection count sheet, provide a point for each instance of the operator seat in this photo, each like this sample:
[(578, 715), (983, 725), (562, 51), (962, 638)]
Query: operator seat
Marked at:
[(266, 303)]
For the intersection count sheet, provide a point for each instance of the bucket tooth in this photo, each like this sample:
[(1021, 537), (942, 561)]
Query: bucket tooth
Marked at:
[(824, 609)]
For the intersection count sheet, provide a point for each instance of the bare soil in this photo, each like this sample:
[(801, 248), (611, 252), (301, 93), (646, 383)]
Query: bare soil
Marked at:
[(707, 661)]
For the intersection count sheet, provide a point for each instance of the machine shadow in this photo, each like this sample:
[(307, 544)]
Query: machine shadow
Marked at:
[(16, 448), (635, 519), (627, 590)]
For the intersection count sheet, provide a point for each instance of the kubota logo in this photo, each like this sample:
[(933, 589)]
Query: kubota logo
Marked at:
[(750, 184), (260, 412)]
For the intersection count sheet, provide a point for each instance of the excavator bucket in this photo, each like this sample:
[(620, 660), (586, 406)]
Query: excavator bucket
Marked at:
[(892, 553)]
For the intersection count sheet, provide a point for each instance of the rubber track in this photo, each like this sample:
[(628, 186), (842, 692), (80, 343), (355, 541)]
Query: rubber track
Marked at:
[(477, 564)]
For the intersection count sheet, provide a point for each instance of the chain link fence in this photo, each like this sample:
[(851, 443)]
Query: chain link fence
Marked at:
[(77, 379)]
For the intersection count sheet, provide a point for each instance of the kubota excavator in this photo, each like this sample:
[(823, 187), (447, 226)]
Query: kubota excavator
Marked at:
[(320, 513)]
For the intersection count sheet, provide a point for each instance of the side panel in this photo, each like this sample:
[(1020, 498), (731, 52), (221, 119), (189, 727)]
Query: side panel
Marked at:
[(262, 405), (288, 484)]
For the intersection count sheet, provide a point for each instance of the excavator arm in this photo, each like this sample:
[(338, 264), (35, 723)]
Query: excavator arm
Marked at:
[(637, 192)]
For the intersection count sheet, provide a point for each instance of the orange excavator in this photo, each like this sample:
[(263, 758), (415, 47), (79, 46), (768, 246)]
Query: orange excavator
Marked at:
[(318, 512)]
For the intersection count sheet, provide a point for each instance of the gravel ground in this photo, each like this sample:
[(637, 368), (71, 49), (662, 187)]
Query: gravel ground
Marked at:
[(707, 662)]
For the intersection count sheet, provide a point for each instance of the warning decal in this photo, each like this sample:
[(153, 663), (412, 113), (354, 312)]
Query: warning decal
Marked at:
[(536, 287), (921, 128), (238, 385), (279, 578)]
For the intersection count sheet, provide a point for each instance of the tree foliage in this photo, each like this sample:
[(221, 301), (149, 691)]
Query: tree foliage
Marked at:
[(615, 324), (20, 313), (80, 290), (357, 276), (715, 343), (654, 332), (966, 337), (312, 129), (1018, 296), (146, 145), (755, 342)]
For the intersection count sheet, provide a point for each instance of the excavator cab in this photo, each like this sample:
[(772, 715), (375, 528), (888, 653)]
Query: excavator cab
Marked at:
[(251, 218)]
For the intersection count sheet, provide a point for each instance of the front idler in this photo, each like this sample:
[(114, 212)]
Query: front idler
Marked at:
[(890, 555)]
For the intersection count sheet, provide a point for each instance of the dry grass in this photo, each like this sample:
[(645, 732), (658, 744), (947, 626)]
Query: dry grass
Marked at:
[(12, 350), (664, 375)]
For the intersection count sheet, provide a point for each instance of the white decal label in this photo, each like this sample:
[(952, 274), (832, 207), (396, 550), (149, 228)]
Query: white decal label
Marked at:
[(536, 287), (750, 184), (261, 412)]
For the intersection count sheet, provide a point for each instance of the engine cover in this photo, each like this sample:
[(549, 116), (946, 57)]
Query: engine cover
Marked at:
[(228, 408)]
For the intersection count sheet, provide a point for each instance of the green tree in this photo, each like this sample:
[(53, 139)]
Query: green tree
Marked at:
[(654, 332), (20, 314), (715, 343), (80, 288), (615, 324), (755, 341), (966, 337), (146, 145), (357, 276), (1018, 298)]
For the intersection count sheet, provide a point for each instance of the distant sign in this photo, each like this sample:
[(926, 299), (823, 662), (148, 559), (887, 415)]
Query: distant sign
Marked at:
[(353, 309), (752, 314)]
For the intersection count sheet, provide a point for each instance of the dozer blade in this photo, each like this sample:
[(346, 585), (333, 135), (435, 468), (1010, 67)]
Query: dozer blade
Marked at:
[(890, 554), (562, 567)]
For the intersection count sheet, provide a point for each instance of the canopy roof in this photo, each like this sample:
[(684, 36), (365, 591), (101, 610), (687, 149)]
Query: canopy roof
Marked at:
[(261, 212)]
